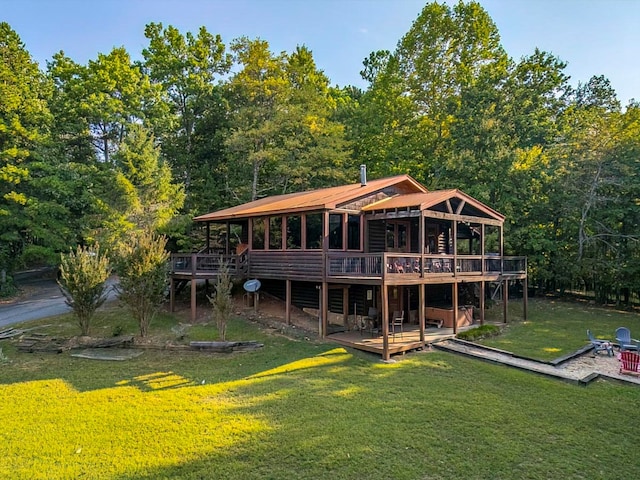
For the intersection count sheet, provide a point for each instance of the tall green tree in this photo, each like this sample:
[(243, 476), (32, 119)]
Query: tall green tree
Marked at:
[(24, 122), (189, 68), (598, 201), (104, 97), (417, 91), (105, 109), (282, 135), (153, 197)]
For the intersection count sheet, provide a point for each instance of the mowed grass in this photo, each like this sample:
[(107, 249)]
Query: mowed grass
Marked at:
[(307, 409), (555, 328)]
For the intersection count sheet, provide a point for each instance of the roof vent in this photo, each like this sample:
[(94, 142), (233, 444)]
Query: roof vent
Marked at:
[(363, 175)]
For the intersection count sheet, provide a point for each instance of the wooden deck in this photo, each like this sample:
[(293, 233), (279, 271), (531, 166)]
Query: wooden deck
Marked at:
[(410, 339)]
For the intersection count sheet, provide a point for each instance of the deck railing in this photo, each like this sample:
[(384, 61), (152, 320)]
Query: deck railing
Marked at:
[(206, 263), (358, 265), (379, 264)]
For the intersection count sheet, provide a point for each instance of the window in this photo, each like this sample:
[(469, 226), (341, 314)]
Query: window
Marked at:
[(294, 232), (275, 233), (397, 235), (391, 235), (335, 231), (353, 232), (314, 231), (257, 240), (402, 237)]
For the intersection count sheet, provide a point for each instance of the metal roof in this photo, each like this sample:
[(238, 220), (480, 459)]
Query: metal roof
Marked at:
[(313, 200)]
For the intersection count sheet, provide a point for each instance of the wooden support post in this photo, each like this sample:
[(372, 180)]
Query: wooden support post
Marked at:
[(287, 314), (172, 294), (454, 286), (325, 309), (525, 297), (505, 300), (482, 293), (194, 284), (345, 308), (421, 312), (385, 323), (208, 237)]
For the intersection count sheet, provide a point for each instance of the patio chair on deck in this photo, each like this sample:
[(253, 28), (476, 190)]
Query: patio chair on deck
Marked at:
[(623, 337), (629, 362), (397, 319), (372, 319), (600, 345)]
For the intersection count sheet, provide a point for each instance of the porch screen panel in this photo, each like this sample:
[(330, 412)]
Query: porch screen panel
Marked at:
[(491, 240), (275, 233), (314, 231), (335, 231), (353, 232), (257, 238), (294, 232)]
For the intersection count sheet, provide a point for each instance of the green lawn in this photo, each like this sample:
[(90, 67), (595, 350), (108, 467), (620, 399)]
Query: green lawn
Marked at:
[(556, 328), (301, 409)]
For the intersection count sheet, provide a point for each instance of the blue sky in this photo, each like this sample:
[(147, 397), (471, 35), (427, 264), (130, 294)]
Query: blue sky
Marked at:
[(595, 37)]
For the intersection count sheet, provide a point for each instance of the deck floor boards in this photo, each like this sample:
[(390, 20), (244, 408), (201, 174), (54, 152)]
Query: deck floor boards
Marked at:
[(410, 339)]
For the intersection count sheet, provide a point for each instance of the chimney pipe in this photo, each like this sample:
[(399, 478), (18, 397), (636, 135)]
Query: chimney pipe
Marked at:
[(363, 175)]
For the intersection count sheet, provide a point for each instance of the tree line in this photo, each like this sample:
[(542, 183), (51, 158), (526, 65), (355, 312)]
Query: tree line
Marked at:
[(90, 153)]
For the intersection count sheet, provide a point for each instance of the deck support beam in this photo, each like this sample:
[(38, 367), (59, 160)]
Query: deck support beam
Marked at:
[(324, 309), (287, 311), (482, 293), (454, 286), (172, 295), (525, 297), (421, 312), (345, 308), (385, 323), (505, 300), (194, 285)]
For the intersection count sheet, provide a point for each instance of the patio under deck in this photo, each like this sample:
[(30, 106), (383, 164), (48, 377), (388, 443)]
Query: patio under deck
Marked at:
[(409, 340)]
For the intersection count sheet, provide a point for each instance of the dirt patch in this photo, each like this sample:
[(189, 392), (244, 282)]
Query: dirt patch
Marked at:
[(271, 313)]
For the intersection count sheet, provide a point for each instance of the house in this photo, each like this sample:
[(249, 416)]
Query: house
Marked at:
[(385, 256)]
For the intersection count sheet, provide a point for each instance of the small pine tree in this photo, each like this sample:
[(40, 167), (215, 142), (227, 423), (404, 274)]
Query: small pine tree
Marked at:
[(221, 300), (143, 271), (83, 274)]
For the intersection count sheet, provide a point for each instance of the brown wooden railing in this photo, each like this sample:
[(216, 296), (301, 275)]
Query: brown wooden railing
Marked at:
[(379, 264), (206, 263), (292, 264), (306, 265)]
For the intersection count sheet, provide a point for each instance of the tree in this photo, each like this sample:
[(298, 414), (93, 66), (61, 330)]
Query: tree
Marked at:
[(142, 269), (101, 100), (417, 91), (282, 134), (597, 196), (24, 119), (83, 274), (221, 300), (189, 68), (154, 199)]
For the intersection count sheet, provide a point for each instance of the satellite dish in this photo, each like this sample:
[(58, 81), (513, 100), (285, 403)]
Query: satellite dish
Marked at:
[(252, 286)]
